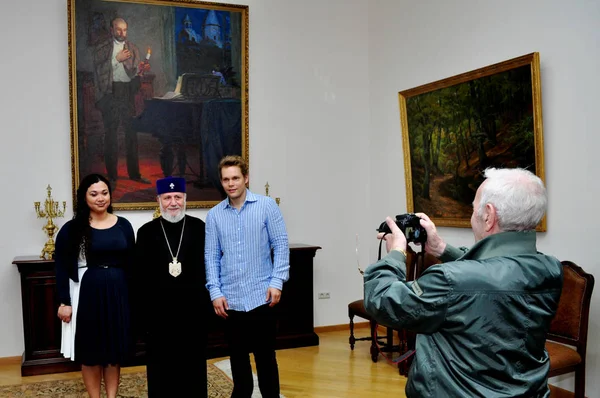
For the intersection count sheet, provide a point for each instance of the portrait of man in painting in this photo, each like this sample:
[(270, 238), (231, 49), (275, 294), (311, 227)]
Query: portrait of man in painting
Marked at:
[(158, 89)]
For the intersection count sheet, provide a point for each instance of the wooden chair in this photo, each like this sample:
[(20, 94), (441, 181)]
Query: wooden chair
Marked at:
[(567, 339), (357, 308)]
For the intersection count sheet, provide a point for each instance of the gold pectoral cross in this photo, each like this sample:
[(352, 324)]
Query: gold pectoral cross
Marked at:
[(175, 267)]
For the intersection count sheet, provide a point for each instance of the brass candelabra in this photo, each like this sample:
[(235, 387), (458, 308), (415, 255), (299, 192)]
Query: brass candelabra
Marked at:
[(50, 212), (277, 200)]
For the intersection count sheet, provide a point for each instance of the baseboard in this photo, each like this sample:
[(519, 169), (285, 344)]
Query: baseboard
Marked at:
[(331, 328), (10, 360), (345, 326)]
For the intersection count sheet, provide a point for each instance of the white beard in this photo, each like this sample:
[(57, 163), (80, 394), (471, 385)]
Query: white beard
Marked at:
[(172, 219)]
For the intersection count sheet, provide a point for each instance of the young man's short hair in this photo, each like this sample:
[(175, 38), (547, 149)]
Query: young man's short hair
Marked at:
[(233, 160)]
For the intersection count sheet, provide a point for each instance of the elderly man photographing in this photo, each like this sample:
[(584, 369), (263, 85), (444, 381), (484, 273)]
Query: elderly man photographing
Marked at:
[(171, 303), (481, 316)]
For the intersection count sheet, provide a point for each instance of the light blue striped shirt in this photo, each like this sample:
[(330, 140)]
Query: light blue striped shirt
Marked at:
[(237, 251)]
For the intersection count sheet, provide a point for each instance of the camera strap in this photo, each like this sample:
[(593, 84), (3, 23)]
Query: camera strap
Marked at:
[(416, 271), (380, 243)]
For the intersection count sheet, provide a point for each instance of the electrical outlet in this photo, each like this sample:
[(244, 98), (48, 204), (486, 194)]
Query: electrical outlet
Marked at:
[(324, 295)]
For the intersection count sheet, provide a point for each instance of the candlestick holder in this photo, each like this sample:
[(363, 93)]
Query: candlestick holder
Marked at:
[(50, 212), (277, 200)]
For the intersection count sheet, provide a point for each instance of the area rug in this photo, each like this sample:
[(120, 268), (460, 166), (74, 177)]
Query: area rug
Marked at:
[(225, 366), (133, 385)]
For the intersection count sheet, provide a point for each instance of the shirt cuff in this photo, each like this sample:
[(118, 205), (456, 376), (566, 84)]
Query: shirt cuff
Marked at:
[(215, 293), (276, 283)]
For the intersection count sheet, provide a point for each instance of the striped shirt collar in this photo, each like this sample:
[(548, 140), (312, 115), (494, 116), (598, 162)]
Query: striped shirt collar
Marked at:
[(250, 197)]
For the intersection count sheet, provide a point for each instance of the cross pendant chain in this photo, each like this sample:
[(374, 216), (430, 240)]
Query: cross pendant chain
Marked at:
[(174, 266)]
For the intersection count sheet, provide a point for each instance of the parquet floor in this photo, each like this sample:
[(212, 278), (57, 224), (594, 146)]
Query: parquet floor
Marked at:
[(330, 370)]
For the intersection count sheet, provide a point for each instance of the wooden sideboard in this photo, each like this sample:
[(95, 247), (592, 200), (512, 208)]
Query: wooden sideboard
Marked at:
[(42, 328)]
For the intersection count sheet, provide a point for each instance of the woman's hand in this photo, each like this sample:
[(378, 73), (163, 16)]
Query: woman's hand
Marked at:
[(65, 312)]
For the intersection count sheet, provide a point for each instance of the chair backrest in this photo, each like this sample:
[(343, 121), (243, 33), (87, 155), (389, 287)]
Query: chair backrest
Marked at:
[(424, 261), (416, 263), (411, 263), (570, 324)]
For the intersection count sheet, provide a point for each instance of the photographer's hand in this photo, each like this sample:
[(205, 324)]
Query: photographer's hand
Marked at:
[(434, 245), (394, 240)]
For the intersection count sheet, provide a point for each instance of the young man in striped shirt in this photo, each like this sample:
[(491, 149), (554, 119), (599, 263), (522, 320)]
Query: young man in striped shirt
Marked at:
[(247, 262)]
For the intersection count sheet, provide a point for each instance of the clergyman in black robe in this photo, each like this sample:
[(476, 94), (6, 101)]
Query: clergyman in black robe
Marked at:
[(171, 303)]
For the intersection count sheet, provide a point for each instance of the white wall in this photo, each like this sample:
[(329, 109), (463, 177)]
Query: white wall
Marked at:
[(308, 120), (413, 43), (324, 123)]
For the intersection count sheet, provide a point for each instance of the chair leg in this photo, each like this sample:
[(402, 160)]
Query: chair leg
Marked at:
[(374, 350), (352, 339), (404, 366), (389, 343), (580, 383)]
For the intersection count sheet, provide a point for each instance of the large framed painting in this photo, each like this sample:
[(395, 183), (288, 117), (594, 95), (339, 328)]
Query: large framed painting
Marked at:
[(455, 128), (157, 88)]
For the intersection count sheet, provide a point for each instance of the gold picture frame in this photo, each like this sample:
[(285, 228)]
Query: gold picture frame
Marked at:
[(452, 129), (173, 104)]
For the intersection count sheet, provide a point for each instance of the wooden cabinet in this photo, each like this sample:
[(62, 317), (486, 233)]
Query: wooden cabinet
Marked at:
[(42, 328)]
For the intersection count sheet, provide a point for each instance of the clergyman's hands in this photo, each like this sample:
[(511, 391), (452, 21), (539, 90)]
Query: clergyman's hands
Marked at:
[(274, 295), (395, 239), (220, 305), (64, 313), (434, 245)]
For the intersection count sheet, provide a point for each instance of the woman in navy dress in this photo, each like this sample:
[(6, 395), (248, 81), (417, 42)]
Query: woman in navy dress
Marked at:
[(101, 245)]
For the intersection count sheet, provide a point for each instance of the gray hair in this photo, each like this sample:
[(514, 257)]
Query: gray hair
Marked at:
[(518, 195)]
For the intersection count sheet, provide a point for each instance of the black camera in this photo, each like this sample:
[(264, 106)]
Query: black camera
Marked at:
[(410, 225)]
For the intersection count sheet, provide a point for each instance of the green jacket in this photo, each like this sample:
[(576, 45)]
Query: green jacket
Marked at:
[(481, 318)]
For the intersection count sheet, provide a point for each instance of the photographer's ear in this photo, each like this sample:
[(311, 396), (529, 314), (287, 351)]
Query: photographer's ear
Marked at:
[(490, 217)]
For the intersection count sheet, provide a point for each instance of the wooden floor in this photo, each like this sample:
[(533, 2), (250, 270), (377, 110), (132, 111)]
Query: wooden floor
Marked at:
[(329, 370)]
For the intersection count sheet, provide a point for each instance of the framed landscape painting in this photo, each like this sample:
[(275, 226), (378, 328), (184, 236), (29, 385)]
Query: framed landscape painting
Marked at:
[(455, 128), (157, 88)]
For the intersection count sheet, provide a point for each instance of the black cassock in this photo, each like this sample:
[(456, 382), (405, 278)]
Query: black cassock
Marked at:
[(170, 313)]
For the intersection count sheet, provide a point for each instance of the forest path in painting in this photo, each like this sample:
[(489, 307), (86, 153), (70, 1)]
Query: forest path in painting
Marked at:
[(444, 187), (441, 205)]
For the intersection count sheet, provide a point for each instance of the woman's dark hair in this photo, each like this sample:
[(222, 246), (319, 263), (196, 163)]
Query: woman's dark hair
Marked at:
[(81, 217)]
